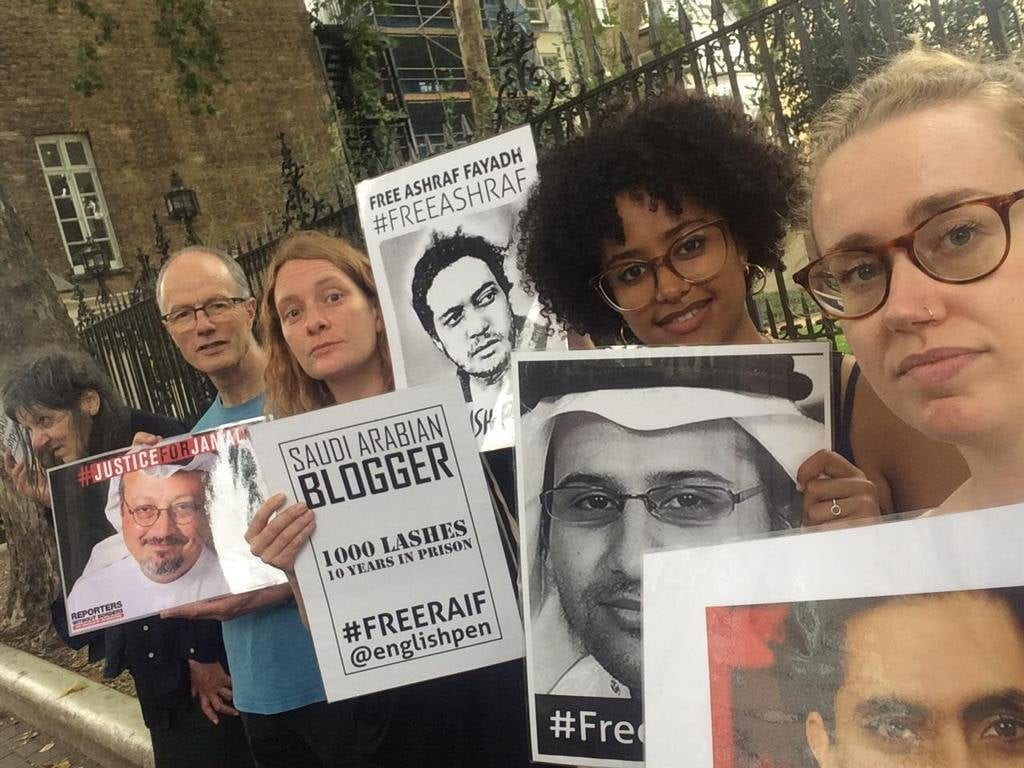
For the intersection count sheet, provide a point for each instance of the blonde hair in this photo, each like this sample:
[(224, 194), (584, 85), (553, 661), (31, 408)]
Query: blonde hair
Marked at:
[(290, 390), (914, 80), (917, 79)]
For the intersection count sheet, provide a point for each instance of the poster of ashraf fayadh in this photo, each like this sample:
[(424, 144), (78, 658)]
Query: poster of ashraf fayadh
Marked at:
[(624, 451), (441, 236), (893, 645), (175, 515), (405, 577)]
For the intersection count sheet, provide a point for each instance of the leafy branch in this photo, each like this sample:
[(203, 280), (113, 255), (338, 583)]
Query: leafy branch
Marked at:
[(196, 48), (184, 27)]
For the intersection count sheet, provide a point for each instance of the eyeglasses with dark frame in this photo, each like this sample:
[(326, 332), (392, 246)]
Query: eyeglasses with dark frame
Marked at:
[(709, 267), (682, 504), (185, 317), (960, 244), (181, 513)]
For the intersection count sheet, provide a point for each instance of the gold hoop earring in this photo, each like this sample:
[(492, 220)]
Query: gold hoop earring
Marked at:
[(759, 281), (622, 335)]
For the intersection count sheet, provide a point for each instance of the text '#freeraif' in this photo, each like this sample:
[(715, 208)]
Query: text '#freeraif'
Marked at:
[(394, 455)]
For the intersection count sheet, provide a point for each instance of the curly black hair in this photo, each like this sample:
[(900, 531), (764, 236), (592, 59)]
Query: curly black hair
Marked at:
[(673, 146)]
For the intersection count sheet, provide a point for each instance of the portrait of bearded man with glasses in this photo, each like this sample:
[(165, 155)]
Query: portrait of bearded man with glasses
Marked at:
[(647, 450), (161, 554)]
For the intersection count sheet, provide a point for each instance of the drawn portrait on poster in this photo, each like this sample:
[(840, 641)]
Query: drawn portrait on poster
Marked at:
[(175, 516), (624, 451), (405, 578), (920, 664), (441, 235)]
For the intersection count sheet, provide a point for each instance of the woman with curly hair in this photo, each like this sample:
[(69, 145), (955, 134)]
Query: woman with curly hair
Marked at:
[(653, 228)]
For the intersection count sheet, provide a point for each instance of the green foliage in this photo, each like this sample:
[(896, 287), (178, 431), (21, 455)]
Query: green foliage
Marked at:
[(365, 44), (184, 27), (196, 49), (88, 79), (964, 22), (367, 111)]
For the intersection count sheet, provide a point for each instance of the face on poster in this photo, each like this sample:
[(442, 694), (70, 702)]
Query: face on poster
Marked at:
[(143, 530), (405, 578), (898, 644), (624, 452), (441, 235)]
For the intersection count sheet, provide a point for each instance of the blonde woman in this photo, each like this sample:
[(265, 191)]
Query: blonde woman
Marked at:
[(917, 180), (325, 344)]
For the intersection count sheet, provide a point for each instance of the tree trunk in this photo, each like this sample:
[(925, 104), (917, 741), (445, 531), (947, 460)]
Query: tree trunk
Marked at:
[(630, 16), (588, 24), (470, 27), (31, 315)]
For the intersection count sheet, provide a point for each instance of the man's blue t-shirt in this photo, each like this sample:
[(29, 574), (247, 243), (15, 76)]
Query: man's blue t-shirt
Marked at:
[(273, 664)]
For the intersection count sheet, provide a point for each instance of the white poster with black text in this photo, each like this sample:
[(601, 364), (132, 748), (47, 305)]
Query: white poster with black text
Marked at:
[(405, 578), (441, 235), (885, 645), (622, 451)]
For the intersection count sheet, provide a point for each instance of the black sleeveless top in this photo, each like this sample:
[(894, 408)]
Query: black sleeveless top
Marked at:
[(842, 406)]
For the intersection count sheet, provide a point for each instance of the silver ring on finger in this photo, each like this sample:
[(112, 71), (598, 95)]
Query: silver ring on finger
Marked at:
[(835, 509)]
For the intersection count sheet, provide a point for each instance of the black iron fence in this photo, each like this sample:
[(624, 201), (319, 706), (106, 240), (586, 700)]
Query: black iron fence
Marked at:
[(780, 63), (125, 333)]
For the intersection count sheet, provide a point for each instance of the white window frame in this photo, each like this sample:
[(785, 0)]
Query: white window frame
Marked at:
[(603, 13), (68, 170)]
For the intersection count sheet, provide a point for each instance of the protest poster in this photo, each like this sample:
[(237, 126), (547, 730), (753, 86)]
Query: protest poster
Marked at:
[(708, 440), (405, 578), (12, 439), (140, 530), (441, 236), (894, 644)]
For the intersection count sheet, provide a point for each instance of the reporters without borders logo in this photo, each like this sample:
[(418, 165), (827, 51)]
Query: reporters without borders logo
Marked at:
[(428, 628), (97, 615)]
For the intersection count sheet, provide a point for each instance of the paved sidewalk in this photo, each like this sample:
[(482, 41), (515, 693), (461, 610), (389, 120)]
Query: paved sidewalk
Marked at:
[(24, 746)]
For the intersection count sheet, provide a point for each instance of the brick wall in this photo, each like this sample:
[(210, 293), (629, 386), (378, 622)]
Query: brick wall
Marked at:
[(139, 132)]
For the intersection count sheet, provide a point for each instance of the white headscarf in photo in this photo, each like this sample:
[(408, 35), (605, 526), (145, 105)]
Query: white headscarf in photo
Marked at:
[(112, 548), (774, 422)]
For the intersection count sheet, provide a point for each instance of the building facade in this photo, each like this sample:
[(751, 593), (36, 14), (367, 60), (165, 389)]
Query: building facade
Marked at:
[(98, 167)]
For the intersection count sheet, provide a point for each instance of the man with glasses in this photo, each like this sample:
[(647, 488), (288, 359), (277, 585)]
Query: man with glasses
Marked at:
[(161, 554), (634, 454), (207, 308)]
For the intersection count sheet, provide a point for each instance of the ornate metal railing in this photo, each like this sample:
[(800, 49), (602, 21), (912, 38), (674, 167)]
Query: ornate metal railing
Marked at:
[(125, 333), (779, 64)]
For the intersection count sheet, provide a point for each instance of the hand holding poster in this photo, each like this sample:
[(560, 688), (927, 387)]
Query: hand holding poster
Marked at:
[(404, 578), (176, 514), (623, 451), (441, 237), (880, 646)]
